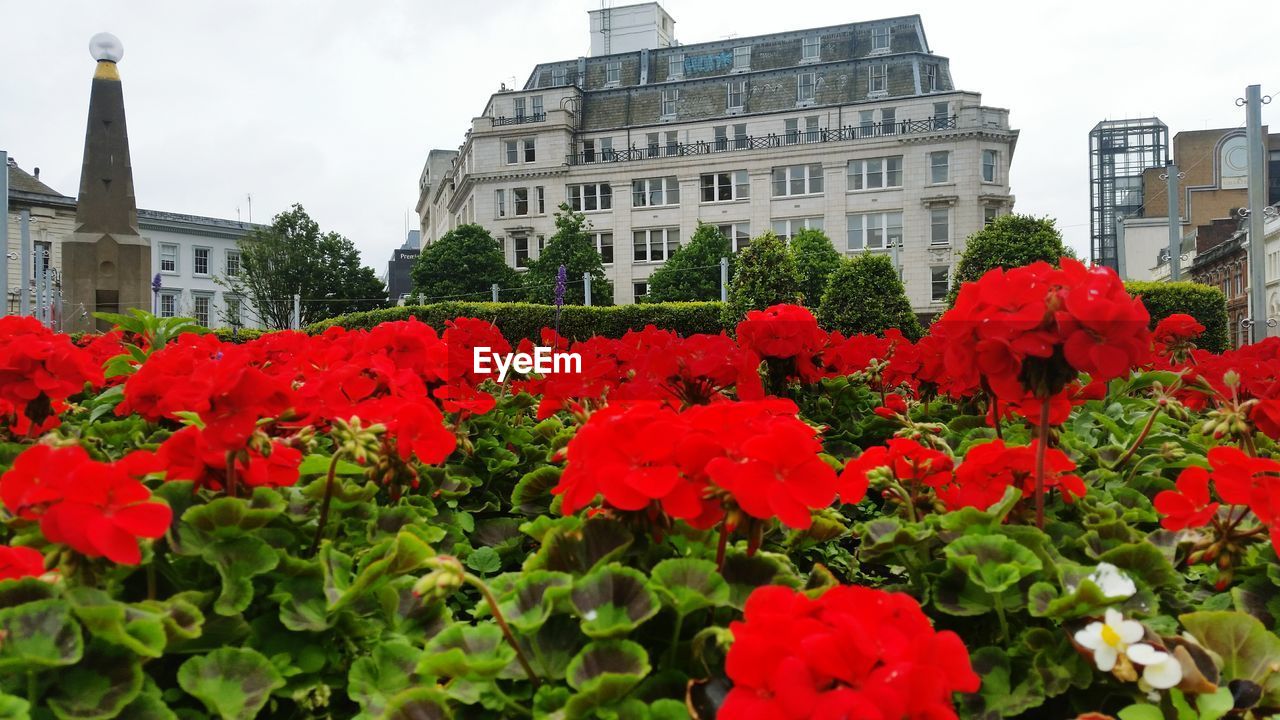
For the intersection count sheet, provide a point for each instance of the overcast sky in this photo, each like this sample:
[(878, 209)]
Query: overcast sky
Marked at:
[(334, 103)]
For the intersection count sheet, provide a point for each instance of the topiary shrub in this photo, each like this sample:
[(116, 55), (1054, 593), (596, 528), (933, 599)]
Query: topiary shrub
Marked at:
[(464, 264), (1008, 242), (815, 259), (865, 295), (692, 273), (573, 247), (1205, 303), (766, 276)]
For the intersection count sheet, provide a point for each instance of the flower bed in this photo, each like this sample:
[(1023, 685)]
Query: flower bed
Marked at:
[(1042, 509)]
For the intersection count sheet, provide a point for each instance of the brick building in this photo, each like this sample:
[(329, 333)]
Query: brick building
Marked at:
[(855, 129)]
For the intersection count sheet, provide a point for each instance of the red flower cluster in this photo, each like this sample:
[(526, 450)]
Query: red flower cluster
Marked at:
[(854, 652), (1238, 480), (39, 370), (990, 468), (188, 455), (1031, 329), (756, 457), (785, 332), (20, 562), (910, 463), (1174, 337), (98, 509)]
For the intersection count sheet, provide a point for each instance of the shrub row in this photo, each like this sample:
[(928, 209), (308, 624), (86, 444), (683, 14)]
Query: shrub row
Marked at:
[(526, 320), (1205, 303)]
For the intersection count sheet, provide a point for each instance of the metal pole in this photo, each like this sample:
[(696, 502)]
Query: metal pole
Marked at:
[(40, 288), (24, 260), (1257, 203), (4, 233), (57, 311), (494, 288), (1175, 222), (724, 279), (296, 323), (422, 299), (586, 289), (1121, 267)]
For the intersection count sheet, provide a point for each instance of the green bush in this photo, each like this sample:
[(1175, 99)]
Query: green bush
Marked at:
[(526, 320), (692, 273), (1205, 303), (766, 276), (865, 295), (574, 247), (815, 259), (1008, 242), (463, 264)]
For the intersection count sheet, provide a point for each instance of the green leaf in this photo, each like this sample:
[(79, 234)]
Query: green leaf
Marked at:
[(1144, 561), (532, 494), (484, 560), (147, 707), (528, 605), (1141, 712), (992, 562), (477, 652), (319, 465), (1248, 650), (302, 603), (14, 708), (233, 683), (407, 553), (139, 630), (375, 678), (746, 573), (39, 634), (99, 687), (231, 517), (420, 703), (566, 548), (1000, 695), (605, 671), (237, 561), (1215, 705), (20, 591), (612, 601), (689, 584)]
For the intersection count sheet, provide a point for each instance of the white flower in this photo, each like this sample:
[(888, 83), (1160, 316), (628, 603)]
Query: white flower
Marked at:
[(1160, 670), (1110, 638), (1112, 581)]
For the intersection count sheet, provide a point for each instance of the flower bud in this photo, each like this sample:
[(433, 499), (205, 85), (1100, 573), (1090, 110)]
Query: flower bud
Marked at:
[(446, 576)]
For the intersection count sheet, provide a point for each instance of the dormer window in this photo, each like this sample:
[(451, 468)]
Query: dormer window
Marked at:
[(880, 39), (878, 82), (613, 72), (811, 49), (742, 58)]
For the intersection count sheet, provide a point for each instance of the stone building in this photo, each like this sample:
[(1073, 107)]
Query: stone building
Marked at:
[(398, 278), (856, 129)]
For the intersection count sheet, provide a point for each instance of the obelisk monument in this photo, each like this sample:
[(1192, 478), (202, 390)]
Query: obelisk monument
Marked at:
[(106, 262)]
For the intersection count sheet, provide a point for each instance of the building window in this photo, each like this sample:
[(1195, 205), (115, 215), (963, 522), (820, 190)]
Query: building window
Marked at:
[(989, 166), (640, 289), (675, 66), (739, 234), (655, 192), (872, 173), (588, 151), (785, 229), (939, 282), (720, 134), (234, 311), (200, 308), (940, 115), (655, 245), (500, 201), (888, 121), (200, 264), (811, 132), (939, 166), (673, 142), (606, 150), (930, 77), (231, 266), (740, 136), (529, 153), (538, 110), (518, 107), (939, 226), (613, 72), (875, 231), (168, 304), (520, 199), (989, 215), (542, 200), (805, 84), (669, 98), (604, 246), (878, 83), (521, 243), (792, 131), (168, 258), (559, 77), (737, 89), (725, 186), (742, 58), (880, 38), (651, 143), (797, 180), (586, 198), (811, 49), (513, 151)]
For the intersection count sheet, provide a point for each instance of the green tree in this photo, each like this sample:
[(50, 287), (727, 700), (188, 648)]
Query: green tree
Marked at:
[(693, 270), (865, 295), (463, 265), (292, 256), (815, 259), (1010, 241), (766, 275), (574, 247)]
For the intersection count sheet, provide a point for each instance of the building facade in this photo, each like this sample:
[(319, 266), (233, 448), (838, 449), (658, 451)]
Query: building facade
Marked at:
[(855, 129), (194, 256), (1120, 151), (399, 279)]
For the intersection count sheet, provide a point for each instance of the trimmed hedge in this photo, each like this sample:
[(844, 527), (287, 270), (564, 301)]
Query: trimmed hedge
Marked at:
[(526, 320), (1205, 303)]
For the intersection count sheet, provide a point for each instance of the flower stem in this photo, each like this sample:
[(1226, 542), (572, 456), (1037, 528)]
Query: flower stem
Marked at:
[(231, 474), (328, 498), (1004, 623), (995, 414), (675, 641), (502, 623), (720, 546), (1142, 436), (1042, 435)]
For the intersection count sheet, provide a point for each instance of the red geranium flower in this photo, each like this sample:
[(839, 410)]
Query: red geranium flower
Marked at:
[(1189, 505), (908, 461), (989, 468), (19, 562)]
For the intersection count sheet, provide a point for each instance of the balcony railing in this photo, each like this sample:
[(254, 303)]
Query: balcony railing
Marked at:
[(519, 119), (766, 142)]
